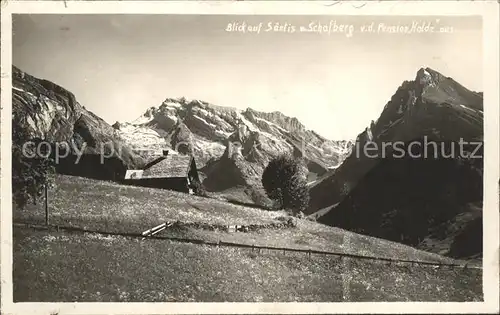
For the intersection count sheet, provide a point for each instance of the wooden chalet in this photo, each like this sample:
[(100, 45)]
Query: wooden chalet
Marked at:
[(169, 171)]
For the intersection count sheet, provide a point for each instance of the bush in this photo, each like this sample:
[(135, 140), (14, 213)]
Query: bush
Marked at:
[(285, 182)]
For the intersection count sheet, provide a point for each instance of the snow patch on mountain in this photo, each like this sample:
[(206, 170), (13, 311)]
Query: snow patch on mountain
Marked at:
[(141, 121), (246, 122)]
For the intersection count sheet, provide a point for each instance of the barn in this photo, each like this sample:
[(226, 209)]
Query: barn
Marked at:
[(169, 171)]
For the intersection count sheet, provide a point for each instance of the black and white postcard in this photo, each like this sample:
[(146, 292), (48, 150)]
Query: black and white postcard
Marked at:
[(249, 157)]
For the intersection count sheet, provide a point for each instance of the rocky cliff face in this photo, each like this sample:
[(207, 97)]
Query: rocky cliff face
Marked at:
[(51, 113), (231, 146), (428, 198)]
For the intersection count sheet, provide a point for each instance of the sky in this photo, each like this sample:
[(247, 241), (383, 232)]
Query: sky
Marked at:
[(119, 65)]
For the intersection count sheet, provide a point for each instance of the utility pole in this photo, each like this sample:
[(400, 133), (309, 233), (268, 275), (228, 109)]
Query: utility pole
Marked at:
[(46, 204), (34, 195)]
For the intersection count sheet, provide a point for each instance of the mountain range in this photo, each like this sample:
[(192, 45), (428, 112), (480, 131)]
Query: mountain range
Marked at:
[(231, 146), (429, 203)]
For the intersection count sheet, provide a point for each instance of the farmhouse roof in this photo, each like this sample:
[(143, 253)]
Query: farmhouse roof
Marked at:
[(168, 166)]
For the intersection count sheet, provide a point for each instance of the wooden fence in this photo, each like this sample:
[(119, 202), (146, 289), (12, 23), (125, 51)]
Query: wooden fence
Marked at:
[(309, 252)]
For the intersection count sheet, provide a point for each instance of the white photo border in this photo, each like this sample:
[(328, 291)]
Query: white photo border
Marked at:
[(487, 9)]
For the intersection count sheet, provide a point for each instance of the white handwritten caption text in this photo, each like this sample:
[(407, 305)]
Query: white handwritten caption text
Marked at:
[(333, 27)]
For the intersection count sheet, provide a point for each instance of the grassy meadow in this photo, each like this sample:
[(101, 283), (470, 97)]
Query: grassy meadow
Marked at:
[(66, 266), (93, 204), (84, 267)]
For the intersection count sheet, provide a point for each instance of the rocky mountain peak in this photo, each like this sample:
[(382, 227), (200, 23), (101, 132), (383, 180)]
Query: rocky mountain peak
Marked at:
[(436, 88), (428, 76), (176, 100), (290, 124), (151, 112), (432, 106)]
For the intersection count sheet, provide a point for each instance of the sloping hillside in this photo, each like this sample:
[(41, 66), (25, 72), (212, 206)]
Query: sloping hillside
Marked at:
[(111, 207), (410, 192), (49, 112), (118, 268)]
